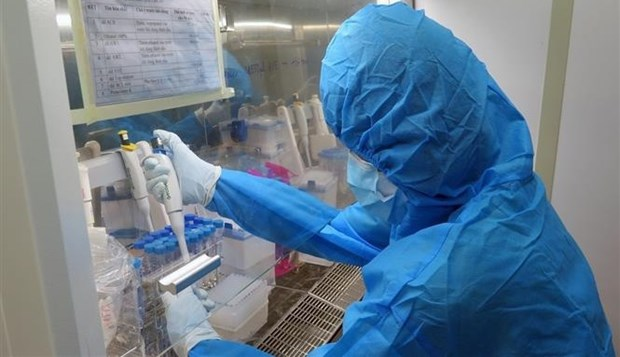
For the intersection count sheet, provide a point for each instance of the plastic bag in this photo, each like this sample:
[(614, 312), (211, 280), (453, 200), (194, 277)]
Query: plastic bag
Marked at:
[(116, 281)]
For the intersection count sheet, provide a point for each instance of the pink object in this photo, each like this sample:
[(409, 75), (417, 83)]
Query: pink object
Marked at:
[(284, 266), (279, 172)]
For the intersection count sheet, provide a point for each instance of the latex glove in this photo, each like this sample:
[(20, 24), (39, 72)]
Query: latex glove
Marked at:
[(197, 178), (156, 178), (187, 322), (203, 296), (202, 115)]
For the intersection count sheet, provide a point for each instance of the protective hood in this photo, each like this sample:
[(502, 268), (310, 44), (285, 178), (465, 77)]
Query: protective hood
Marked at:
[(404, 94)]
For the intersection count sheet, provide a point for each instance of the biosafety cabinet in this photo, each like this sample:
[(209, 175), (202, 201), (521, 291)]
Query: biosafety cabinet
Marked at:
[(238, 82)]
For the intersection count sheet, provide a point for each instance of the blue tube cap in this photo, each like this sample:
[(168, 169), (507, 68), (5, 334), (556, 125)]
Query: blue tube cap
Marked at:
[(149, 248)]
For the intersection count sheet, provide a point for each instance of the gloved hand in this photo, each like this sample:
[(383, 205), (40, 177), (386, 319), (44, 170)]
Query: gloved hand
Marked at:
[(215, 109), (186, 321), (203, 296), (197, 178)]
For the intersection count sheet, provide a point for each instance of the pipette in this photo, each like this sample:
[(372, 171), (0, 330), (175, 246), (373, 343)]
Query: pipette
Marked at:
[(302, 124), (172, 199), (191, 271), (297, 165), (129, 154)]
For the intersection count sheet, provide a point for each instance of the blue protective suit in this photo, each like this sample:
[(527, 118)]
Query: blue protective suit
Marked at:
[(481, 264)]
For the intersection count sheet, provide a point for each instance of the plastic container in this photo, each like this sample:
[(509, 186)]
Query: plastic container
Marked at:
[(225, 132), (264, 269), (244, 309), (319, 183), (307, 258), (148, 262), (245, 330), (334, 160), (242, 250), (266, 134), (118, 213)]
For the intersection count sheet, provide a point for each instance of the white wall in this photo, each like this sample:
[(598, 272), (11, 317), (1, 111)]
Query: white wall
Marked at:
[(22, 308), (586, 189), (48, 296), (511, 37)]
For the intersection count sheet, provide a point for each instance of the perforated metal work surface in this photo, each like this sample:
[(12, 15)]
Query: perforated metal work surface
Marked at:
[(341, 286), (316, 317)]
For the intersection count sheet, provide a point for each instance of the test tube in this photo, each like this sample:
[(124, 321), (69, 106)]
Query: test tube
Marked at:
[(219, 227), (148, 239), (199, 239), (147, 260), (191, 242), (137, 264), (160, 241), (209, 243), (190, 218), (206, 238), (170, 255), (138, 248), (159, 261), (203, 234), (177, 250)]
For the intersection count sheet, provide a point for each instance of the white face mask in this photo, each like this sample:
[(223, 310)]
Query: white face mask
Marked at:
[(371, 188)]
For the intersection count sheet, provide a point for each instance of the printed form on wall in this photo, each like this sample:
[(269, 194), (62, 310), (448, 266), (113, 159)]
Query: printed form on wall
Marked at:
[(146, 49)]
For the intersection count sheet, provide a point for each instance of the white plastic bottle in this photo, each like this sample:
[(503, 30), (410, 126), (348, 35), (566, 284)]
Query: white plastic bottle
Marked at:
[(316, 107)]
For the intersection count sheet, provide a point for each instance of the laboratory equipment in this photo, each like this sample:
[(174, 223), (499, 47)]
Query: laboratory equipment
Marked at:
[(155, 271), (117, 283), (318, 119), (319, 183), (244, 311), (131, 158), (266, 134), (267, 107), (192, 271), (247, 255), (321, 139), (302, 125), (293, 160), (91, 149), (334, 160), (121, 189), (238, 130), (172, 198)]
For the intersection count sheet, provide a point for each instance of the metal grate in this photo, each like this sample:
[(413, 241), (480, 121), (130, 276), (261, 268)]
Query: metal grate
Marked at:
[(316, 317), (341, 286)]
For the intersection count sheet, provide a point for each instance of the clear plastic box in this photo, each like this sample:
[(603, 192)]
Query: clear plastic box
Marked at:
[(307, 258), (334, 160), (266, 134), (321, 184), (264, 269), (247, 328), (242, 250), (242, 313)]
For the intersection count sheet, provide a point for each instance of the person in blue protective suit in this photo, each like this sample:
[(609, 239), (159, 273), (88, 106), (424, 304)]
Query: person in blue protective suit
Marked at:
[(475, 261)]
